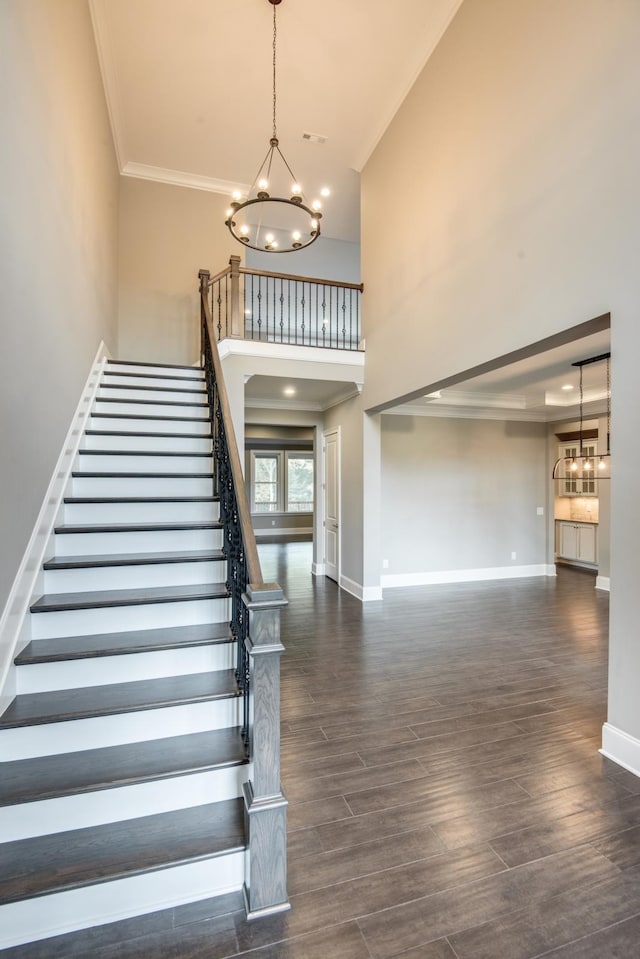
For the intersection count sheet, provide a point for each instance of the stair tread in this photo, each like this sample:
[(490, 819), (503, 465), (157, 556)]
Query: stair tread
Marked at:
[(136, 527), (141, 499), (103, 598), (156, 376), (148, 416), (135, 559), (33, 709), (83, 474), (69, 860), (115, 399), (153, 389), (182, 436), (122, 643), (47, 777), (208, 453), (162, 366)]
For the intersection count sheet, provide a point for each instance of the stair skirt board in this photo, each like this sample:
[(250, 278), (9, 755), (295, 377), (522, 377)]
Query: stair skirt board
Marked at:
[(137, 552), (107, 670), (99, 461), (133, 577), (45, 916), (120, 803), (140, 443), (137, 422), (138, 541), (176, 394), (149, 381), (96, 732), (168, 511), (99, 484)]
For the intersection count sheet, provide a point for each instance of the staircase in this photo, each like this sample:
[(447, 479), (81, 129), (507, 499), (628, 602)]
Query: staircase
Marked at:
[(122, 762)]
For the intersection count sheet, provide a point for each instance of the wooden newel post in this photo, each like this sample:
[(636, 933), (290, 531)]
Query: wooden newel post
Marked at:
[(204, 276), (265, 887), (237, 315)]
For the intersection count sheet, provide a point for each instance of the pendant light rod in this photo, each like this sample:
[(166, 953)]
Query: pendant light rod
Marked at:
[(592, 359)]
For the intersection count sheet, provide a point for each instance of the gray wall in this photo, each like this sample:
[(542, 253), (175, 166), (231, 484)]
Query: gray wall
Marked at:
[(167, 233), (58, 243), (520, 141), (462, 493), (326, 259)]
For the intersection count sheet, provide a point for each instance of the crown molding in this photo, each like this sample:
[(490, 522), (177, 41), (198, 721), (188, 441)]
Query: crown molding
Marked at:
[(143, 171)]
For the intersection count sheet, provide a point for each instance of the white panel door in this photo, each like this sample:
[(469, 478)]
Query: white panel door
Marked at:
[(331, 495)]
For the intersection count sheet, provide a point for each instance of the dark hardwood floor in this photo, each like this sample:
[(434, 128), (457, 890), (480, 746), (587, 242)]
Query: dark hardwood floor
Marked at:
[(447, 799)]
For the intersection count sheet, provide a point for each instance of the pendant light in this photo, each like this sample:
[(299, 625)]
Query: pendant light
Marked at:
[(275, 216), (583, 462)]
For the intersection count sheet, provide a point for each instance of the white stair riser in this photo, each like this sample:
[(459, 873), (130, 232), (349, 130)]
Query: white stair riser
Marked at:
[(202, 425), (45, 916), (27, 742), (174, 395), (106, 670), (141, 486), (98, 513), (133, 577), (154, 381), (97, 808), (90, 622), (155, 444), (130, 463), (132, 408), (182, 371), (92, 544)]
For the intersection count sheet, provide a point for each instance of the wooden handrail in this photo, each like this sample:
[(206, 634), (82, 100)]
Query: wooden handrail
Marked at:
[(244, 514), (303, 279)]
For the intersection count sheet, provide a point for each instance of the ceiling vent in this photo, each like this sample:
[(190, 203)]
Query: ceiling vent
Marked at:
[(314, 137)]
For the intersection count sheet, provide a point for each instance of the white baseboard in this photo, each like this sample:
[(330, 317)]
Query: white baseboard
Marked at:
[(465, 575), (621, 748), (603, 582), (365, 594), (318, 569), (282, 531), (14, 615)]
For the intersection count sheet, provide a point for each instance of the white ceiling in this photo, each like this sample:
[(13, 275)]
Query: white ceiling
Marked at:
[(189, 87)]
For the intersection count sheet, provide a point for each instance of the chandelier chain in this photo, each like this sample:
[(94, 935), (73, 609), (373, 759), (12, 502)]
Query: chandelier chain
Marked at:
[(275, 35)]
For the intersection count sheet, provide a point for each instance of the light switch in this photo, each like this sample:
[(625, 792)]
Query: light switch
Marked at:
[(540, 511)]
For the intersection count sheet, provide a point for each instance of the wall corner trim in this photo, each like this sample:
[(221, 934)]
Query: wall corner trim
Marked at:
[(365, 594), (621, 748), (318, 569)]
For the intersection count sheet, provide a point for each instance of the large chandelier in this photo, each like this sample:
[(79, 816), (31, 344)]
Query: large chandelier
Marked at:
[(292, 223)]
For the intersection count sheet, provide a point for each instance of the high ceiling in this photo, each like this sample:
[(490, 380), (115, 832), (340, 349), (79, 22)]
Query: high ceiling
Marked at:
[(188, 86)]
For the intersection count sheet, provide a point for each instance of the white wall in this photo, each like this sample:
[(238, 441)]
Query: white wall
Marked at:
[(519, 145), (167, 233), (58, 244), (462, 494)]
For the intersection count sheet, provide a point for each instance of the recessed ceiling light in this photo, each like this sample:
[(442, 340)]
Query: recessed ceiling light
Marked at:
[(567, 386), (289, 391)]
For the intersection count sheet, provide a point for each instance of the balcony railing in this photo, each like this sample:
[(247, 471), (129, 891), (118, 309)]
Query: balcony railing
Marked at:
[(283, 308)]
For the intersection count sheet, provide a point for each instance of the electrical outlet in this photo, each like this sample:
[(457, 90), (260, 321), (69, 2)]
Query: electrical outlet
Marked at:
[(385, 564), (513, 556), (540, 511), (273, 522)]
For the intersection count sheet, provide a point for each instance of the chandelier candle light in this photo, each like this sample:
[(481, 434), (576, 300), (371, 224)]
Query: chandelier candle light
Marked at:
[(293, 224)]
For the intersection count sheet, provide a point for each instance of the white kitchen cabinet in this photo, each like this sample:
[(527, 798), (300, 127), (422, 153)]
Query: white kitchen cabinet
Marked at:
[(578, 482), (576, 541)]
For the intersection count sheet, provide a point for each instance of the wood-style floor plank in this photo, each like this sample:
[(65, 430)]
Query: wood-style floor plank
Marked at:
[(447, 798)]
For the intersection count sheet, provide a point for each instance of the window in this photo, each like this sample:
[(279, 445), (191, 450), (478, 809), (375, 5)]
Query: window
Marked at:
[(299, 482), (281, 481), (266, 482)]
